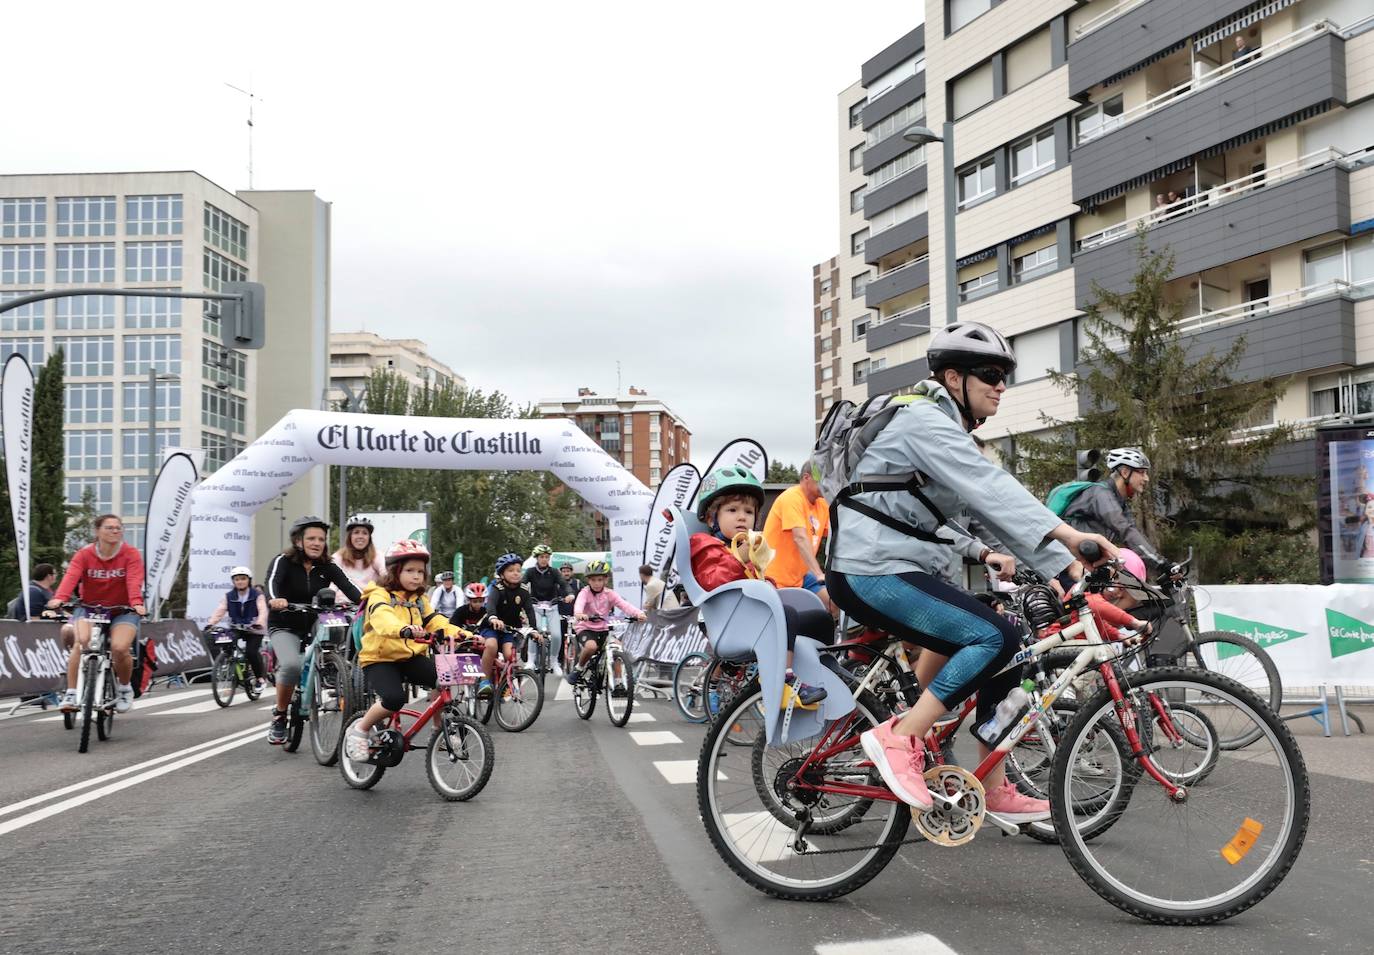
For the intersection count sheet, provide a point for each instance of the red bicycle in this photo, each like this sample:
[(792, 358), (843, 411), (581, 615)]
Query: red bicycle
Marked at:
[(459, 754)]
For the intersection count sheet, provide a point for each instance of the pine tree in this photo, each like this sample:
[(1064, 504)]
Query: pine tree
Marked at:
[(1141, 385), (779, 473)]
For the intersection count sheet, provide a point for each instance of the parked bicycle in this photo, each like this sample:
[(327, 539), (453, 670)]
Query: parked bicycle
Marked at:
[(230, 669), (609, 671)]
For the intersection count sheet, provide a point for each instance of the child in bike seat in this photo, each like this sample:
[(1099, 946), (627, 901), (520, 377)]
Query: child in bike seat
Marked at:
[(729, 502), (595, 602), (509, 607), (1111, 609), (398, 627)]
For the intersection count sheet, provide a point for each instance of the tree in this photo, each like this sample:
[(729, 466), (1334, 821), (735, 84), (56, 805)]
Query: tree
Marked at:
[(779, 473), (1140, 384)]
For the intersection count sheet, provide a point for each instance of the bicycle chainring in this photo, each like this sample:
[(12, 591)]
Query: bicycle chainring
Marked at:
[(954, 825)]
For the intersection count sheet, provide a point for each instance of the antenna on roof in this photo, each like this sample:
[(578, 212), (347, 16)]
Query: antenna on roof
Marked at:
[(251, 97)]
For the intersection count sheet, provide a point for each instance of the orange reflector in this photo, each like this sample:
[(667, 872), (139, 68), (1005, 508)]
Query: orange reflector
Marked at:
[(1243, 842)]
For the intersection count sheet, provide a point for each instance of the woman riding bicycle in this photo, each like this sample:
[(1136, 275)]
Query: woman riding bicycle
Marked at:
[(896, 570), (246, 608), (297, 574), (357, 555)]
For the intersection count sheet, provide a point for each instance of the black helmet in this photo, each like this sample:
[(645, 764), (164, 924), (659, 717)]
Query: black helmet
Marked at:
[(310, 520)]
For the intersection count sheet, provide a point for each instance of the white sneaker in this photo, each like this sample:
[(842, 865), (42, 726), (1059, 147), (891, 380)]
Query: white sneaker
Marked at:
[(124, 698), (68, 703), (357, 744)]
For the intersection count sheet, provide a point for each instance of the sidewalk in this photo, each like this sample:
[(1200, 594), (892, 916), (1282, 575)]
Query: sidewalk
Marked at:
[(1350, 757)]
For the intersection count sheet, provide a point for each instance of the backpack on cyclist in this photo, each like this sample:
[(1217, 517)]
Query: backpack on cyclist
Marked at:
[(1065, 494)]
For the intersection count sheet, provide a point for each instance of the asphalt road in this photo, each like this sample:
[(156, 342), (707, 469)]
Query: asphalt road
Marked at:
[(188, 833)]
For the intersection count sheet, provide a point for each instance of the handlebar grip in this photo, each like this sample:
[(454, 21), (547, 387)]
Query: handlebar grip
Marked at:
[(1090, 551)]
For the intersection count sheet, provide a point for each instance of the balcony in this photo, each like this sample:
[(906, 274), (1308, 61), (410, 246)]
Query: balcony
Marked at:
[(907, 277), (901, 235), (904, 186), (885, 380), (1305, 69), (900, 327)]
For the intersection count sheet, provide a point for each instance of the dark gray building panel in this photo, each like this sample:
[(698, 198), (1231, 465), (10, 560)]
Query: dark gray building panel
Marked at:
[(1295, 459), (898, 376), (907, 91), (888, 149), (894, 53), (1304, 76), (888, 287), (887, 196), (897, 237), (897, 330), (1140, 33), (1266, 219)]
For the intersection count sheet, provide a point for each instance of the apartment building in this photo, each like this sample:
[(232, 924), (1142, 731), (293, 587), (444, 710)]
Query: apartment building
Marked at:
[(164, 231), (353, 356), (1239, 134)]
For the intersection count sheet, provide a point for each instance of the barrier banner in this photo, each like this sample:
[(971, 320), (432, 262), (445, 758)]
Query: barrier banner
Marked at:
[(16, 420), (1314, 634), (169, 514), (667, 636), (32, 659)]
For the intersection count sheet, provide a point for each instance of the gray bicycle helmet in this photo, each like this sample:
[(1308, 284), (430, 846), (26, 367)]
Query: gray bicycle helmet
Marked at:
[(967, 345), (1132, 458), (310, 520)]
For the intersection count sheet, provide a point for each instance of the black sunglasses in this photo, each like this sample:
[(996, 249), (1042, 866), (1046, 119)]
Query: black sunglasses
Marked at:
[(989, 374)]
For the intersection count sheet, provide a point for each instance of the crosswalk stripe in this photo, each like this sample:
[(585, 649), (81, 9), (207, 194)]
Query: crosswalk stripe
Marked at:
[(921, 943), (203, 706), (681, 771), (642, 717), (144, 703), (658, 738), (565, 691)]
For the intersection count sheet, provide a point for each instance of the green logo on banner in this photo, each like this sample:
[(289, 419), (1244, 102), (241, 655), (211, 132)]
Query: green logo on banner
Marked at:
[(1265, 634), (1348, 635)]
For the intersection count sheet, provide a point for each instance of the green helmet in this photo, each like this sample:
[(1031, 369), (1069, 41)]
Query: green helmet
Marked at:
[(731, 480), (598, 568), (541, 550)]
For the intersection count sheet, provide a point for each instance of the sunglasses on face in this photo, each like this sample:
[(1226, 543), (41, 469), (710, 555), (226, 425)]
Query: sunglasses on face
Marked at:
[(989, 374)]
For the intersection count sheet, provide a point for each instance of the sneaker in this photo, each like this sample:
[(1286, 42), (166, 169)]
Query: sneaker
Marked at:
[(124, 698), (900, 760), (618, 692), (357, 744), (807, 696), (68, 703), (277, 734), (484, 689), (1015, 806), (575, 676)]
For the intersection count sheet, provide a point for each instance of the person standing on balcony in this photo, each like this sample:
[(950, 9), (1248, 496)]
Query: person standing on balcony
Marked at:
[(1242, 49)]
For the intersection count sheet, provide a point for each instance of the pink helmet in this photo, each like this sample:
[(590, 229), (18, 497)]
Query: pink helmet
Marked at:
[(406, 550), (1132, 563)]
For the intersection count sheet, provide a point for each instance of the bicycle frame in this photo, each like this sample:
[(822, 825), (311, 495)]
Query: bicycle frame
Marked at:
[(442, 697), (98, 645)]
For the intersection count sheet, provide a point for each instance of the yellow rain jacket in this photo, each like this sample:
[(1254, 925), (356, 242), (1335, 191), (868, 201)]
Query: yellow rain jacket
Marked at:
[(386, 613)]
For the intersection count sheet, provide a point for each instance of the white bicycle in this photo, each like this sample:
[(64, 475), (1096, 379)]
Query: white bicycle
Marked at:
[(95, 679)]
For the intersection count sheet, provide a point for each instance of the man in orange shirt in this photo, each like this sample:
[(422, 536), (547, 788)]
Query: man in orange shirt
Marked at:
[(797, 523)]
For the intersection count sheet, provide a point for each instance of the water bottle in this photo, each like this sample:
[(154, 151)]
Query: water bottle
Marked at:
[(1008, 712), (713, 701)]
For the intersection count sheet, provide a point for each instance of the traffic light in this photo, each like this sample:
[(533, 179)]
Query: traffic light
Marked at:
[(243, 323), (1088, 469)]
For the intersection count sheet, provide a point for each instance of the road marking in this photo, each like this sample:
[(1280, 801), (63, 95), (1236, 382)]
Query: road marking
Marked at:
[(660, 738), (918, 944), (565, 691), (141, 704), (245, 735), (760, 836), (642, 718), (203, 706), (681, 771)]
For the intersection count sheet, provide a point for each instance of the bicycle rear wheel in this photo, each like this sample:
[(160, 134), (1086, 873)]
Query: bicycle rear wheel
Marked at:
[(359, 775), (224, 678), (689, 687), (105, 712), (1245, 661), (519, 699), (586, 689), (460, 757), (295, 723), (620, 689), (1219, 847)]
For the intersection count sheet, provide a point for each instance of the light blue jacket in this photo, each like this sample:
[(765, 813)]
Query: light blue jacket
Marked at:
[(927, 436)]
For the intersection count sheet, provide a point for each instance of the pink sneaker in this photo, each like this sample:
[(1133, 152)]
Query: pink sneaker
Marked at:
[(1015, 806), (901, 760)]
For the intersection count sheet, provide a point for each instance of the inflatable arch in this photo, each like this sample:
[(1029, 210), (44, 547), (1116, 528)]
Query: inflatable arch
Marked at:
[(222, 507)]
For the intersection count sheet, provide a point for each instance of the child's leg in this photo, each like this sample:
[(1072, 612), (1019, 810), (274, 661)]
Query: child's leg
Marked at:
[(588, 648), (386, 680), (489, 657)]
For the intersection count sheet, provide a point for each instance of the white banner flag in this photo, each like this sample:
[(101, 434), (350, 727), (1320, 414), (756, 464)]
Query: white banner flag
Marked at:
[(745, 452), (16, 418), (678, 487), (169, 512)]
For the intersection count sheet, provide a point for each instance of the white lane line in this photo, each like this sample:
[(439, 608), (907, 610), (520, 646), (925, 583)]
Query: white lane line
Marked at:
[(642, 718), (565, 691), (660, 738), (918, 944), (144, 703), (38, 815), (204, 706), (681, 771), (147, 764)]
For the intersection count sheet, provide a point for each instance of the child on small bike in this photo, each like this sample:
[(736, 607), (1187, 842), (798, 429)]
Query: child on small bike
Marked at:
[(472, 613), (729, 501), (594, 604), (398, 627), (509, 607)]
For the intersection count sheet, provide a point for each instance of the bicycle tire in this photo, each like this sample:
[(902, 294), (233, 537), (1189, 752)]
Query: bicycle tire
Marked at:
[(324, 741), (69, 720), (223, 678), (689, 687), (584, 695), (105, 713), (249, 681), (441, 742), (508, 721), (714, 748), (1202, 734), (295, 723), (1276, 862), (92, 668), (358, 775), (357, 694), (1266, 663), (627, 681), (843, 819)]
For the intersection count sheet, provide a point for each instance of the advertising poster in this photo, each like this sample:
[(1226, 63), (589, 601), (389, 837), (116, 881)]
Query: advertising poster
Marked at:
[(1346, 512)]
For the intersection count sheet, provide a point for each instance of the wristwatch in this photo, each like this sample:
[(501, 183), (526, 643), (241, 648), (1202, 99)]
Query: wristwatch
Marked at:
[(987, 552)]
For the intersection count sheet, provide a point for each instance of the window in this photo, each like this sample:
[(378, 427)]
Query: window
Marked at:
[(978, 286), (134, 535), (856, 242), (85, 263), (1039, 262), (25, 318), (90, 403), (225, 232), (971, 91), (856, 113), (218, 270), (223, 365), (826, 286), (134, 446), (860, 327), (23, 264), (901, 212), (654, 476), (888, 171), (145, 352), (90, 450), (1323, 265), (860, 371), (220, 409), (827, 372), (152, 261), (85, 313), (898, 121), (827, 403), (101, 490), (856, 201), (23, 218), (1097, 119), (219, 450), (79, 216), (31, 348), (856, 156), (877, 364), (1032, 156), (962, 12), (153, 312), (826, 344), (629, 425), (857, 284), (977, 183), (1028, 60), (1037, 353), (133, 496), (1361, 253), (88, 357), (136, 401), (827, 314), (902, 71), (152, 215)]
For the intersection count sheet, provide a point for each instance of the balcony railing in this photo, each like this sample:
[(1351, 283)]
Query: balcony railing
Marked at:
[(1105, 17), (923, 308), (1226, 192), (905, 265), (1277, 302), (1206, 78)]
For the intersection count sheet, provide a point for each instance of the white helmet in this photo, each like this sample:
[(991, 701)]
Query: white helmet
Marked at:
[(241, 571), (967, 344), (1132, 458)]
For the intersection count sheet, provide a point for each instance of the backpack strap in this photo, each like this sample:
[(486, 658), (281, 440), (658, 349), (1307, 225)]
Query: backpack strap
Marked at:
[(912, 485)]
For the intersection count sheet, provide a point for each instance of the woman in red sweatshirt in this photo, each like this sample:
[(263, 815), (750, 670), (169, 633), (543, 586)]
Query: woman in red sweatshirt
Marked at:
[(110, 574)]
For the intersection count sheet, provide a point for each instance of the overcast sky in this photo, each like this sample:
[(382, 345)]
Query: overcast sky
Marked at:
[(537, 190)]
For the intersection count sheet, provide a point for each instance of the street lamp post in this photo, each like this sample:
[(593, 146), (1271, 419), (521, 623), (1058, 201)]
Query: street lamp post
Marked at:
[(154, 376), (921, 135)]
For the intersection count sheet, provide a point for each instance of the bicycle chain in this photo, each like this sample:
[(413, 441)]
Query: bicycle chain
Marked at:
[(881, 845)]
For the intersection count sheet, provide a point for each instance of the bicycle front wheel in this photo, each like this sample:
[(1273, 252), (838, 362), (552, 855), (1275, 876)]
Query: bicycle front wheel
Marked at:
[(460, 757), (295, 723), (1209, 850), (88, 701), (620, 689), (689, 687), (1245, 661), (224, 678), (326, 714), (519, 700)]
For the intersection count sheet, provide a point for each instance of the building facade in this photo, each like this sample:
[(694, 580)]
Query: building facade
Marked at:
[(1238, 134), (354, 356), (164, 231)]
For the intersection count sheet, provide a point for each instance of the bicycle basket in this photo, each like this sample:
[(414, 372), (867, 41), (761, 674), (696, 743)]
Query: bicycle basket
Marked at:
[(457, 669)]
